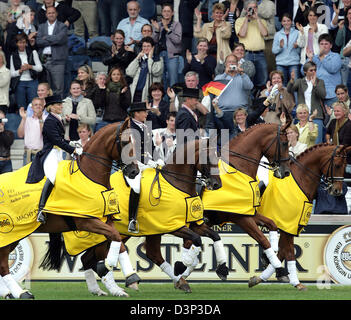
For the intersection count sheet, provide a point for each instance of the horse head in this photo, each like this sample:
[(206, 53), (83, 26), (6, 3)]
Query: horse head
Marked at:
[(207, 162), (333, 166)]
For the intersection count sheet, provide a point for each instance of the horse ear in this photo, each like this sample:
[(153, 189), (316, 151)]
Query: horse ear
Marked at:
[(288, 118), (286, 125)]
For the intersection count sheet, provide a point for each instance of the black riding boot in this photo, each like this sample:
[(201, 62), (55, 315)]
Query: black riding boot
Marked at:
[(45, 193), (133, 211)]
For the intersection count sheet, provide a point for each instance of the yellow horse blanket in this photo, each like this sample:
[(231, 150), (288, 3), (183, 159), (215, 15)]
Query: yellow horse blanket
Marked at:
[(285, 203), (239, 193), (73, 194), (162, 209)]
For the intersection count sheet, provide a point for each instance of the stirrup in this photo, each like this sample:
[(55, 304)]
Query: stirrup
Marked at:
[(41, 217), (133, 226)]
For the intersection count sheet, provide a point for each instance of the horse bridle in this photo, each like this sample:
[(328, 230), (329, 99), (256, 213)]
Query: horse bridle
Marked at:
[(328, 178)]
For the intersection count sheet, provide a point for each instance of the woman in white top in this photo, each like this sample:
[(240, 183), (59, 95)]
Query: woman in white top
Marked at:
[(308, 35), (24, 66), (5, 78)]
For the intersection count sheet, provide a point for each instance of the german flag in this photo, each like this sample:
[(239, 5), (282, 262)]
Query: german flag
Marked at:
[(213, 87)]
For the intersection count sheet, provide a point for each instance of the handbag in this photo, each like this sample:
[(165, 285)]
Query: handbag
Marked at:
[(328, 204)]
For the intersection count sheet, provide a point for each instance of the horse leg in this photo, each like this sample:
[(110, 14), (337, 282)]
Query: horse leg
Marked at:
[(248, 224), (153, 252), (272, 227), (286, 244), (9, 288)]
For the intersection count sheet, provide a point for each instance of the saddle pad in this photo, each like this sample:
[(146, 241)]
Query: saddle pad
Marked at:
[(74, 194), (285, 203), (162, 209), (18, 206), (239, 193)]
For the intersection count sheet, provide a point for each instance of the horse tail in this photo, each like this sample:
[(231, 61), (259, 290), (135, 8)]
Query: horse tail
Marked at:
[(53, 257)]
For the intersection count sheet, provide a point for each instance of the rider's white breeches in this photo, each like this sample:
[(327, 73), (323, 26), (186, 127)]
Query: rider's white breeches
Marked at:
[(51, 163)]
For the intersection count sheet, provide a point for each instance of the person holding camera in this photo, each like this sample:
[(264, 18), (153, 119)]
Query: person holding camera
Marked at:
[(251, 31), (7, 138), (239, 86)]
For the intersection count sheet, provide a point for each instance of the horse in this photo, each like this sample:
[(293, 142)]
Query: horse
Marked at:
[(179, 175), (324, 162), (243, 154), (93, 167)]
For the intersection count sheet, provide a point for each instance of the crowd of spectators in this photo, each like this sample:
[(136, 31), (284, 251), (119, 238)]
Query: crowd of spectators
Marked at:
[(155, 50)]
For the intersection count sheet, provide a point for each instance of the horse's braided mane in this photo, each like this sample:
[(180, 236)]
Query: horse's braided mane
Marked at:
[(312, 148)]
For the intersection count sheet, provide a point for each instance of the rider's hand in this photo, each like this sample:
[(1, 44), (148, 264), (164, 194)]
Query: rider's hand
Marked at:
[(78, 151)]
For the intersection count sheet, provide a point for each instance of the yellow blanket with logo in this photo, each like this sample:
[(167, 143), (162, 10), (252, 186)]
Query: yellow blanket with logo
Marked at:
[(285, 203), (18, 206), (239, 193), (76, 195), (162, 209)]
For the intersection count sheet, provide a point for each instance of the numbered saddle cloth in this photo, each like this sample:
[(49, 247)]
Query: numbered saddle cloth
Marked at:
[(74, 194), (239, 193), (18, 206), (162, 209), (285, 203)]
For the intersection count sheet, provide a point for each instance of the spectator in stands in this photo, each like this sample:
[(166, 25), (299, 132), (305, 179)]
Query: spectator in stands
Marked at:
[(24, 24), (310, 91), (118, 98), (308, 36), (251, 31), (343, 38), (304, 7), (30, 128), (286, 49), (165, 138), (25, 66), (88, 18), (328, 67), (217, 32), (146, 31), (84, 133), (145, 69), (109, 16), (235, 9), (342, 94), (52, 44), (283, 101), (7, 138), (65, 13), (239, 87), (43, 92), (100, 97), (339, 129), (307, 128), (168, 35), (201, 62), (77, 109), (121, 55), (246, 65), (158, 108), (339, 13), (11, 13), (5, 79), (295, 145), (132, 25)]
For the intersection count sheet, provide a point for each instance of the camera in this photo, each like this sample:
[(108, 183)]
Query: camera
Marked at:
[(233, 67), (250, 11), (4, 120), (272, 107)]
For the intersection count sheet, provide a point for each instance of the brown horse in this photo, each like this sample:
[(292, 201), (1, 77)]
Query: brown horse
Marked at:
[(181, 176), (323, 161), (95, 164)]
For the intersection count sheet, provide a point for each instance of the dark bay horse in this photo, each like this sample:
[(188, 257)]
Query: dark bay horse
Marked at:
[(322, 161), (181, 174), (95, 166)]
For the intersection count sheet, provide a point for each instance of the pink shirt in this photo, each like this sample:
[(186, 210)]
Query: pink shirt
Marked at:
[(33, 137)]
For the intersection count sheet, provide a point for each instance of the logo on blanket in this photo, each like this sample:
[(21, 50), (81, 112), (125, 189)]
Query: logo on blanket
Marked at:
[(337, 255), (21, 260), (81, 234), (196, 208), (6, 223)]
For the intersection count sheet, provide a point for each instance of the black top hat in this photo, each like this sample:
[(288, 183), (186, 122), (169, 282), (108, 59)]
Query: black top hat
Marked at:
[(191, 93), (137, 106), (52, 100)]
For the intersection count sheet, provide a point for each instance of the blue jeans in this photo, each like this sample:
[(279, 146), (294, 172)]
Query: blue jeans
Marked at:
[(259, 60), (287, 72), (5, 166), (109, 14), (172, 70), (26, 91), (101, 124), (321, 131)]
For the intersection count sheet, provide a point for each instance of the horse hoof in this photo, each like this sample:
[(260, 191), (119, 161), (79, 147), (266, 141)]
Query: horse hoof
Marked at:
[(26, 295), (222, 271), (282, 275), (301, 287), (9, 296), (183, 285), (132, 282), (179, 268), (254, 281), (283, 279)]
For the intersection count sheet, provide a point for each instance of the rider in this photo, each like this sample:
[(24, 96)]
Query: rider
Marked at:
[(46, 161), (143, 144)]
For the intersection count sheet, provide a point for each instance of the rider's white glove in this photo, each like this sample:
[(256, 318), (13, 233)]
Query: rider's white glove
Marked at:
[(78, 151), (152, 164), (160, 162)]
